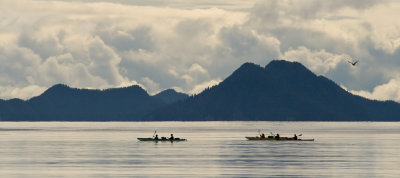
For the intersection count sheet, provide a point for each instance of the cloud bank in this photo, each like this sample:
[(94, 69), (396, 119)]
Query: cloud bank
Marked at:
[(190, 46)]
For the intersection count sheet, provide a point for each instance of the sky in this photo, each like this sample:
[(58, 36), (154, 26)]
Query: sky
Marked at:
[(190, 45)]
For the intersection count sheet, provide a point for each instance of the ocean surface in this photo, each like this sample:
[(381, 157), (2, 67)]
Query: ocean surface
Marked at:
[(213, 149)]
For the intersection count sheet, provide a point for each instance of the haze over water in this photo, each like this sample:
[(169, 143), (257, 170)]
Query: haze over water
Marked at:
[(213, 149)]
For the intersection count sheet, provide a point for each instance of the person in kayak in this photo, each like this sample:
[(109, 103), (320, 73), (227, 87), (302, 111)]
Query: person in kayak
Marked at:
[(172, 137), (156, 137), (277, 136), (262, 135), (295, 137)]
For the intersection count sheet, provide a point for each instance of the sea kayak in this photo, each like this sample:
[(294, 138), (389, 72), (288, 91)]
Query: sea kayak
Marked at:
[(162, 139), (280, 139)]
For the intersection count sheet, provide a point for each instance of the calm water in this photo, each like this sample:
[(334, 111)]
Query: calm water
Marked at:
[(213, 149)]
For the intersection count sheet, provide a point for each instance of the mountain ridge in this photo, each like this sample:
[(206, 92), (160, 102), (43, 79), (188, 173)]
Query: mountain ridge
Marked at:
[(280, 91), (170, 96), (63, 103)]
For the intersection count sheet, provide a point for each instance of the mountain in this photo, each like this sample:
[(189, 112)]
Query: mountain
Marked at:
[(280, 91), (170, 96), (62, 103)]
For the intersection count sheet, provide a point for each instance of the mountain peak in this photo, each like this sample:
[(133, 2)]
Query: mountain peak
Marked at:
[(56, 89), (248, 66), (129, 90), (288, 68), (283, 62), (246, 70), (59, 86), (170, 96), (168, 91), (285, 65)]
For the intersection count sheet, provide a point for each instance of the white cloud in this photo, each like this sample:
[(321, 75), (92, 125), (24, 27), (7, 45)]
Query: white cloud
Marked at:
[(104, 61), (320, 62), (151, 86), (320, 34), (9, 92), (99, 45), (18, 64), (190, 45), (200, 87), (236, 5), (387, 91)]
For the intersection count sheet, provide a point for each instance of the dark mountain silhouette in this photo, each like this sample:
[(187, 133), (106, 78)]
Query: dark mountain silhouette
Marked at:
[(63, 103), (170, 96), (282, 91)]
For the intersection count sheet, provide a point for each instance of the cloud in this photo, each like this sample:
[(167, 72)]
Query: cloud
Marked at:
[(9, 92), (200, 87), (102, 44), (18, 64), (323, 35), (191, 45), (321, 62), (104, 61), (127, 39), (235, 5), (151, 86), (284, 12), (387, 91), (242, 42)]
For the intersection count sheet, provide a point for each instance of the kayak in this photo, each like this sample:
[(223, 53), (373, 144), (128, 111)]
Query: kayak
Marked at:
[(280, 139), (162, 139)]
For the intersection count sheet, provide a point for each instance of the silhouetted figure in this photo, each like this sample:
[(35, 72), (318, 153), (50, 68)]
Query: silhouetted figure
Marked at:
[(262, 135), (295, 137), (156, 137), (172, 137), (353, 63), (277, 136)]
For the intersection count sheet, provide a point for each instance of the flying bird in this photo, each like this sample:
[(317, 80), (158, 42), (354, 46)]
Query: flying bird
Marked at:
[(353, 63)]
